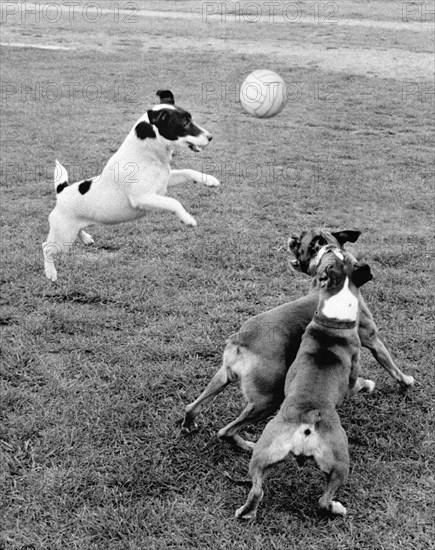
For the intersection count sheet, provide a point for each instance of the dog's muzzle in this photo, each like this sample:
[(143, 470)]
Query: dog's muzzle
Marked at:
[(194, 147), (200, 142)]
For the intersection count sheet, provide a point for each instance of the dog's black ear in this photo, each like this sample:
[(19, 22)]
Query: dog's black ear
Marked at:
[(361, 275), (294, 243), (349, 236), (166, 96)]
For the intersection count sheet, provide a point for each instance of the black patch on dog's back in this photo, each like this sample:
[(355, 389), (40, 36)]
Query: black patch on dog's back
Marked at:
[(61, 187), (84, 186), (144, 130)]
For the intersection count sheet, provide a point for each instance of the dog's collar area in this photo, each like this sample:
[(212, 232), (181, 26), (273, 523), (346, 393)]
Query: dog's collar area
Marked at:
[(332, 323)]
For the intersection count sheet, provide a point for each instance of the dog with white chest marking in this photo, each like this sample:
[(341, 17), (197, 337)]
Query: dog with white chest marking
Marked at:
[(134, 181), (259, 355), (324, 371)]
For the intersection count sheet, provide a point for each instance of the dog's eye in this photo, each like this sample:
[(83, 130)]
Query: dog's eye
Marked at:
[(186, 123)]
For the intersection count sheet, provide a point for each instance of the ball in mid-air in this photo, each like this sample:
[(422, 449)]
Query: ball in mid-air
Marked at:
[(263, 93)]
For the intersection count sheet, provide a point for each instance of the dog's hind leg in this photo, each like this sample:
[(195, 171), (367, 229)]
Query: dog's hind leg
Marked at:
[(232, 364), (217, 384), (369, 337), (273, 446), (263, 394), (254, 412), (336, 479), (61, 237), (336, 469)]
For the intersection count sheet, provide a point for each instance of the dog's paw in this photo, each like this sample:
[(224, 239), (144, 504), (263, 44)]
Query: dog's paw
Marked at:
[(189, 427), (369, 386), (86, 238), (51, 273), (211, 181), (337, 508), (245, 513), (407, 381), (188, 220)]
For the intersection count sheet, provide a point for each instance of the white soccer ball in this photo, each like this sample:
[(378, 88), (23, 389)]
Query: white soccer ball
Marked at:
[(263, 93)]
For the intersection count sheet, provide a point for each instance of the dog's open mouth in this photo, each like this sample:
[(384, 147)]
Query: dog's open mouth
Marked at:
[(194, 147)]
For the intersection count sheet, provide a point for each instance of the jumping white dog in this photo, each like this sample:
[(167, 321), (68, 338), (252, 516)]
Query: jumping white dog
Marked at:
[(134, 180)]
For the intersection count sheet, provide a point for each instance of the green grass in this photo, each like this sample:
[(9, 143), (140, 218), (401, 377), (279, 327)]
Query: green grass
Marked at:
[(96, 370)]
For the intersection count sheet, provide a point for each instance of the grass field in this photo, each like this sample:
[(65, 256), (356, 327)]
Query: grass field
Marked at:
[(97, 369)]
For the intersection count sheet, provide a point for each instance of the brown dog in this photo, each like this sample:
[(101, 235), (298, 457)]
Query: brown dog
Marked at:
[(325, 370), (304, 248), (261, 352)]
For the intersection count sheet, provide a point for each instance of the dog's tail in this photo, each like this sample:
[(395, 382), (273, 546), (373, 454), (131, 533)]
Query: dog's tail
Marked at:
[(60, 177)]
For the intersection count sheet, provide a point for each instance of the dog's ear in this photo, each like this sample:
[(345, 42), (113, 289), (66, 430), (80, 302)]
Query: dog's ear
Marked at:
[(294, 243), (349, 236), (166, 96), (361, 275)]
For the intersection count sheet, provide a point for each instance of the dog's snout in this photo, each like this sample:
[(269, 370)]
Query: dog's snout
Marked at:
[(209, 137)]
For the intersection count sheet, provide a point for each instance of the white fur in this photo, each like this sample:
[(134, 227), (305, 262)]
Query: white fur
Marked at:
[(343, 306), (337, 508), (297, 443), (60, 174), (161, 106), (320, 254)]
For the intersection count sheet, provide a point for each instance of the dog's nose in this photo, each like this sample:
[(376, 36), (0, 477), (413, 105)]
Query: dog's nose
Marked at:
[(209, 137)]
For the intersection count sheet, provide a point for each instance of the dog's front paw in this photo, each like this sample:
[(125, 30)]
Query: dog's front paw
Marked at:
[(211, 181), (407, 381), (189, 220)]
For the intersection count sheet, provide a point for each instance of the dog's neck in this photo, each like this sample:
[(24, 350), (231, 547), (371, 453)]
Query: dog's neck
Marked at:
[(341, 307), (332, 323)]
